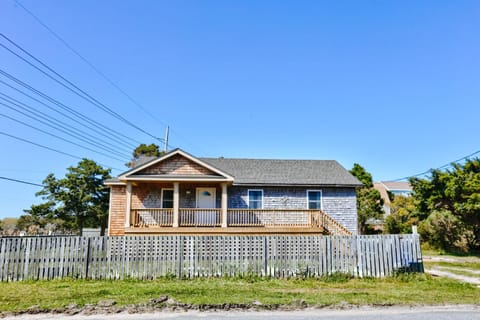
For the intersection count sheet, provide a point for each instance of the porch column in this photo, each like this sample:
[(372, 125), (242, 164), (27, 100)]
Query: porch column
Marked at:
[(128, 204), (224, 205), (176, 211)]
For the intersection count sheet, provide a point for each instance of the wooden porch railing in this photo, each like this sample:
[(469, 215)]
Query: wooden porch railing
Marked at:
[(332, 226), (269, 218), (272, 218), (200, 217), (151, 217)]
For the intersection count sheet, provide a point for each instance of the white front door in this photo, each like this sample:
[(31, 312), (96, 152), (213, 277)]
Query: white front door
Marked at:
[(206, 197), (206, 200)]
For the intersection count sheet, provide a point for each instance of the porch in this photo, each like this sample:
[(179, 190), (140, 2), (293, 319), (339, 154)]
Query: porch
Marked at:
[(236, 221)]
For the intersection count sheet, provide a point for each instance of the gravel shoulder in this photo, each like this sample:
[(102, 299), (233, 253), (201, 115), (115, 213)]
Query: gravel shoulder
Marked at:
[(308, 313)]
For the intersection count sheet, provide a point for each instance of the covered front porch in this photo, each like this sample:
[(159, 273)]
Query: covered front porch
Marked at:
[(202, 208)]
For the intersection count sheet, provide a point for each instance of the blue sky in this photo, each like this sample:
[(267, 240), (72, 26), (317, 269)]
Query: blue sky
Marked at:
[(392, 85)]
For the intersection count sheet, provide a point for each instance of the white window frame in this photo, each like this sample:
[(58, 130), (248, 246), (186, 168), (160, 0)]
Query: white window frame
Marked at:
[(161, 197), (248, 197), (321, 198)]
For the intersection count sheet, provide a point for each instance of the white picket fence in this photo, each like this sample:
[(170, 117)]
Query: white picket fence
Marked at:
[(148, 257)]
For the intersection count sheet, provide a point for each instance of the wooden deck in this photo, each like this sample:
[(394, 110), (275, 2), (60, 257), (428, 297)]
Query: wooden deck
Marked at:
[(225, 231), (239, 222)]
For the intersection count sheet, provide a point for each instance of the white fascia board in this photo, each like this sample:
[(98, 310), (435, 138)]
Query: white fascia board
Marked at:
[(115, 183), (199, 179)]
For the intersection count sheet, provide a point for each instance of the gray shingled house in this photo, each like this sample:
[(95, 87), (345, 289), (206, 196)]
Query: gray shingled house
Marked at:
[(178, 193)]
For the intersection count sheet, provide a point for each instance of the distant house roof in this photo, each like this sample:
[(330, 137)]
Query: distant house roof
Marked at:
[(397, 185), (257, 171)]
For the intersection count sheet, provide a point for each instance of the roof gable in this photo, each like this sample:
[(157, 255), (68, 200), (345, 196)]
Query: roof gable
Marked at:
[(176, 163)]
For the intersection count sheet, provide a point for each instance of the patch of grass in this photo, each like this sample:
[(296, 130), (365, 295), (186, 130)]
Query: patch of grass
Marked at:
[(404, 289)]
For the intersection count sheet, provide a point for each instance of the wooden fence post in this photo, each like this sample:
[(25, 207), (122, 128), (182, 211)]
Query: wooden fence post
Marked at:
[(180, 253), (87, 262), (265, 256)]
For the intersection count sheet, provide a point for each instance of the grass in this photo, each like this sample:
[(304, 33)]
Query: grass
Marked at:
[(404, 289)]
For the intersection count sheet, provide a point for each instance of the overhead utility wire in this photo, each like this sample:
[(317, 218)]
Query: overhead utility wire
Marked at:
[(97, 70), (79, 92), (40, 145), (108, 133), (56, 136), (441, 167), (21, 181), (52, 149), (48, 122), (58, 123)]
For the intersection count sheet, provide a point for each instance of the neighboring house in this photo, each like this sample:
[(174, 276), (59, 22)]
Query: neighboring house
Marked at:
[(396, 188), (178, 193)]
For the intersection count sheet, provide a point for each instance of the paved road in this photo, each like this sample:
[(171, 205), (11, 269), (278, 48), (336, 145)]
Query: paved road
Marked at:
[(396, 313)]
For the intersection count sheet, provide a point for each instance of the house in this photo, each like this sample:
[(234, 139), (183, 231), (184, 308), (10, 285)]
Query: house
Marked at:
[(178, 193), (395, 188)]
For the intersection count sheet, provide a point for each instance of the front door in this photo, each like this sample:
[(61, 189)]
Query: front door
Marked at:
[(206, 200), (206, 197)]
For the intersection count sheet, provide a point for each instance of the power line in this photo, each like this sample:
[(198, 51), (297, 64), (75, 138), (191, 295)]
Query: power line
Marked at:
[(98, 71), (94, 68), (441, 167), (21, 181), (108, 133), (78, 91), (56, 136), (57, 124), (51, 149)]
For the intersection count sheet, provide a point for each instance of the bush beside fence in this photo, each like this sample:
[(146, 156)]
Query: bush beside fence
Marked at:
[(148, 257)]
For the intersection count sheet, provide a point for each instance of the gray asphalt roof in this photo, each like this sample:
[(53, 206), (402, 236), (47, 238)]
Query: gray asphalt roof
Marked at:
[(284, 172), (277, 172)]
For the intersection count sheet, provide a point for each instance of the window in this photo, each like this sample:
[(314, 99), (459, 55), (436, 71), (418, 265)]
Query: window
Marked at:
[(255, 199), (167, 198), (314, 199)]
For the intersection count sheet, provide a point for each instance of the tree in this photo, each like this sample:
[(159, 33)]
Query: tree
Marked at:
[(449, 204), (361, 174), (9, 226), (402, 215), (79, 200), (143, 150), (369, 201)]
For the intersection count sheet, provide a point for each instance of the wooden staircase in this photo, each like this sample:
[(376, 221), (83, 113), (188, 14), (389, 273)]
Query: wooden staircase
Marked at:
[(331, 226)]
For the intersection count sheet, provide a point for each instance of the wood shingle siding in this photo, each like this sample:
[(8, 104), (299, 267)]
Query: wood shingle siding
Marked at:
[(118, 203), (339, 203), (176, 165)]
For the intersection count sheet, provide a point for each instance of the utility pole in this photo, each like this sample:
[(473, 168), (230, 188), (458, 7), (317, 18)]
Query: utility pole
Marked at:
[(166, 139)]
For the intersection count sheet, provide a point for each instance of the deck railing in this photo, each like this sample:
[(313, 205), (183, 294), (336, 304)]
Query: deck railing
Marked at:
[(272, 218), (332, 226), (151, 217), (269, 218), (200, 217)]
